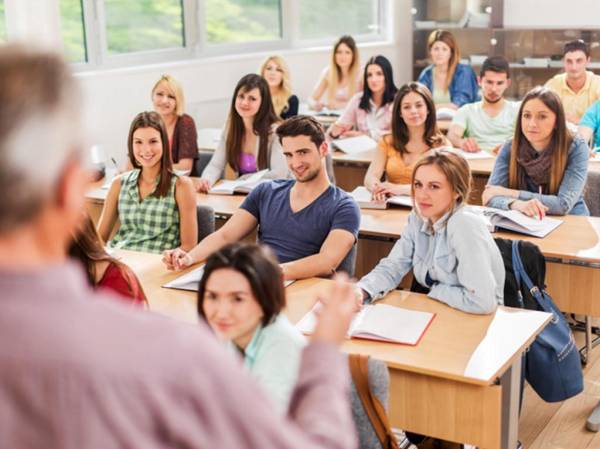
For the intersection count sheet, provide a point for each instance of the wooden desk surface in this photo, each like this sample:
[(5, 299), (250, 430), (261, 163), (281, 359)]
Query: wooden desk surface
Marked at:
[(481, 347)]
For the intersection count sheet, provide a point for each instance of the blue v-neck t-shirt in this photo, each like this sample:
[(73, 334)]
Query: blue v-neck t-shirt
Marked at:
[(295, 235)]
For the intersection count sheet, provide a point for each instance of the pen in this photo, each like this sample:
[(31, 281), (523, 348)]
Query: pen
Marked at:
[(114, 162), (540, 198)]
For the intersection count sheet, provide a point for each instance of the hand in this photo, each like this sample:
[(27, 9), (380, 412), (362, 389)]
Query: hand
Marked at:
[(176, 259), (492, 191), (496, 149), (352, 133), (337, 311), (532, 208), (316, 106), (201, 185), (337, 130), (379, 192), (470, 145)]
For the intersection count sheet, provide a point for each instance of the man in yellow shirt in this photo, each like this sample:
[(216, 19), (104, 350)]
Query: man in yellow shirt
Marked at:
[(578, 88)]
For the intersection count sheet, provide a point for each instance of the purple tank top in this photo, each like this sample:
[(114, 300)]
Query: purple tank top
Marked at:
[(247, 163)]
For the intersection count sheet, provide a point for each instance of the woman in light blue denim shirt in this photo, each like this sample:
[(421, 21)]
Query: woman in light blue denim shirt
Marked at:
[(544, 169), (448, 247), (241, 296)]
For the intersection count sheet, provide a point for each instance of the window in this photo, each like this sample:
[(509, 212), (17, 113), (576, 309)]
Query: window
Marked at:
[(2, 22), (142, 25), (333, 18), (234, 21), (73, 30)]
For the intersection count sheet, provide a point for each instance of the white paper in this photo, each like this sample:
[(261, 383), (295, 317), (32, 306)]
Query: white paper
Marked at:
[(355, 145), (514, 220), (188, 281), (470, 156), (243, 184), (364, 199)]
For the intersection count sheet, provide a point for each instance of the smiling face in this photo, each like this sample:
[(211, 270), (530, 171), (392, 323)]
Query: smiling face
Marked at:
[(375, 78), (433, 194), (304, 159), (147, 147), (440, 53), (247, 102), (343, 56), (413, 110), (538, 123), (273, 73), (163, 100), (230, 307)]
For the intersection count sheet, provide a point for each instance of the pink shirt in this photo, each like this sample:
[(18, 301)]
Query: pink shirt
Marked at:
[(376, 123), (81, 370)]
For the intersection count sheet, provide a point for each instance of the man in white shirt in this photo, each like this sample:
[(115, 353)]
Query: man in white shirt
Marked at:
[(486, 124)]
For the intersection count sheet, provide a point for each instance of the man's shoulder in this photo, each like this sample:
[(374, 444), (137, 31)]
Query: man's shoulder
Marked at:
[(339, 197), (273, 187), (556, 81)]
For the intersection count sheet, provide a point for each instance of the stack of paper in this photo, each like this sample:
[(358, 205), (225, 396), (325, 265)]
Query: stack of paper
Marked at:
[(514, 220)]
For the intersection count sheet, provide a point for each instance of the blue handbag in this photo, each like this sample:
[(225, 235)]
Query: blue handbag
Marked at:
[(552, 363)]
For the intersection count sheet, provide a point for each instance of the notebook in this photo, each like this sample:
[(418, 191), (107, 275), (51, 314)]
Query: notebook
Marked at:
[(190, 281), (379, 322), (355, 145), (514, 220), (244, 184), (471, 156), (363, 198)]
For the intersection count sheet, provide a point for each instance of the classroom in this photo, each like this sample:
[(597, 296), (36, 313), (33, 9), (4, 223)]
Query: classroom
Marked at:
[(328, 224)]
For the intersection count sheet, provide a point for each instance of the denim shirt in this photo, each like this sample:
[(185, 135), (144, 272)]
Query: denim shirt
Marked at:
[(463, 87), (568, 201), (458, 254)]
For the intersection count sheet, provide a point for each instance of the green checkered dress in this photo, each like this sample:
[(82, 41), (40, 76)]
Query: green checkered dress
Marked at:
[(151, 225)]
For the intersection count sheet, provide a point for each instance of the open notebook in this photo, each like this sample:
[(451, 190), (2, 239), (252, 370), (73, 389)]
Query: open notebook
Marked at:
[(514, 220), (244, 184), (190, 281), (354, 145), (379, 322), (364, 200)]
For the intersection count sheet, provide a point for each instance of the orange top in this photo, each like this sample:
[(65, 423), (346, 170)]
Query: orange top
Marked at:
[(396, 171)]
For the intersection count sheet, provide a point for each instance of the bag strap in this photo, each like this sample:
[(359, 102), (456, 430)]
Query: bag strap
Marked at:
[(359, 368), (519, 271)]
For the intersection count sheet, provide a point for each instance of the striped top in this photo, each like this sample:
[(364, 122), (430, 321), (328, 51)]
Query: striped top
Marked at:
[(150, 225)]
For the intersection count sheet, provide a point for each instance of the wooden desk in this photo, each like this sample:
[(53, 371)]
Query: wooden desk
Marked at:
[(460, 383)]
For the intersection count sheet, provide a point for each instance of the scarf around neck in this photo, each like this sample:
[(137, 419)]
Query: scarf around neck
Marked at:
[(535, 164)]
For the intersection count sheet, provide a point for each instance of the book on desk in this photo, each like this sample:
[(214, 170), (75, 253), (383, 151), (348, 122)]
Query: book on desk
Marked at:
[(244, 184), (514, 220), (364, 199), (380, 322), (354, 145)]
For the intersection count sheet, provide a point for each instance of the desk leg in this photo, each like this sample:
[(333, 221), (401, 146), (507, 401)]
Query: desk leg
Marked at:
[(511, 387)]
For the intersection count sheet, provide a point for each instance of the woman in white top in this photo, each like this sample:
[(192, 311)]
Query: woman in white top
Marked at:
[(341, 80), (241, 297), (248, 143)]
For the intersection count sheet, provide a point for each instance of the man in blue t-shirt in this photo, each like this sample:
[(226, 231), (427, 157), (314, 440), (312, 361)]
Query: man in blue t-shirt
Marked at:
[(310, 224)]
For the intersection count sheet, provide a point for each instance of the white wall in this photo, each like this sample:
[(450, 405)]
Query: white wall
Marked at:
[(114, 97), (570, 14)]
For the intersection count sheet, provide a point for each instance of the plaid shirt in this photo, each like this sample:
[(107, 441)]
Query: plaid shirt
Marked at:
[(150, 225)]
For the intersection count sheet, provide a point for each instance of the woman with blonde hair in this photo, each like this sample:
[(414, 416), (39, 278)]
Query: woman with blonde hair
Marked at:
[(276, 72), (449, 248), (544, 168), (451, 83), (341, 80), (169, 103)]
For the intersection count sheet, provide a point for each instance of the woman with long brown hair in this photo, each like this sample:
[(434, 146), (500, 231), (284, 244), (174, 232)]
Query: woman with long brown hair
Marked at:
[(103, 270), (155, 207), (414, 132), (248, 143), (544, 168), (451, 83)]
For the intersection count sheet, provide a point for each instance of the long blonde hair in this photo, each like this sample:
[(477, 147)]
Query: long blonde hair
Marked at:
[(279, 98), (174, 86), (335, 72), (447, 38)]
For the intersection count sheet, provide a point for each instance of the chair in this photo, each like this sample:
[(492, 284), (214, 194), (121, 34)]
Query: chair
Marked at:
[(379, 383), (201, 162), (592, 193), (329, 168), (206, 220), (348, 265)]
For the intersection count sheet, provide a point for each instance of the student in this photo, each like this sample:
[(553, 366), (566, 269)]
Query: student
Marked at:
[(453, 84), (589, 126), (277, 74), (309, 224), (489, 123), (414, 132), (543, 170), (103, 270), (370, 111), (449, 248), (94, 373), (168, 101), (241, 297), (577, 87), (155, 207), (248, 143), (340, 81)]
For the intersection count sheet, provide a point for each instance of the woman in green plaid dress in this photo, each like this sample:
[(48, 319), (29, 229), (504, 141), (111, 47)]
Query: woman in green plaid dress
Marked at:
[(155, 207)]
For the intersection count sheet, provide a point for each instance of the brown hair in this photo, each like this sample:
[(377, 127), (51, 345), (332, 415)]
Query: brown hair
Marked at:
[(259, 266), (447, 38), (302, 125), (455, 168), (88, 248), (263, 121), (400, 135), (561, 141), (335, 72), (153, 120)]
